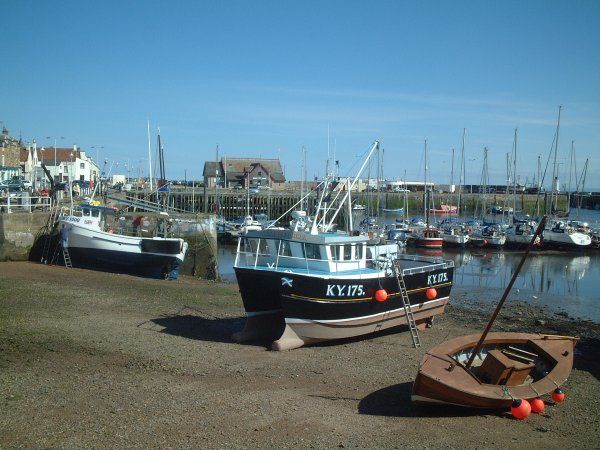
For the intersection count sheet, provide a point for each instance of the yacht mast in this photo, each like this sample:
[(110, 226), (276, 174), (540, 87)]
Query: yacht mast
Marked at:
[(426, 199), (149, 159)]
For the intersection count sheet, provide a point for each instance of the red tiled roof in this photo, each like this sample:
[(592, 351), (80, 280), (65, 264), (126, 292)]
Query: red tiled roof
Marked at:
[(62, 155)]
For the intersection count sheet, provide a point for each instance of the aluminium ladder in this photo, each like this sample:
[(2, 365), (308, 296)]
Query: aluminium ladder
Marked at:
[(66, 257), (414, 332)]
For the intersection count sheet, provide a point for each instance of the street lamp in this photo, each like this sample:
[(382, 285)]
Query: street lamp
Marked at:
[(98, 148)]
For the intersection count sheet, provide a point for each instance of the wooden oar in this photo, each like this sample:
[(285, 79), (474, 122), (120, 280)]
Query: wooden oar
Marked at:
[(477, 348)]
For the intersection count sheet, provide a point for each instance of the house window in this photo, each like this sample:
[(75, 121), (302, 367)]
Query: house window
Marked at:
[(82, 165)]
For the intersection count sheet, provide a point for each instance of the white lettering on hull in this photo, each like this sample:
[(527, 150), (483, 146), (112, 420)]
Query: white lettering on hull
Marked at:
[(345, 290), (437, 278)]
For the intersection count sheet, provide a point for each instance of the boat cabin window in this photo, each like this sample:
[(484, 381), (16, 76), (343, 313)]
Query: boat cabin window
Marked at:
[(284, 248), (85, 211), (312, 251), (95, 213), (249, 245), (347, 252), (360, 251)]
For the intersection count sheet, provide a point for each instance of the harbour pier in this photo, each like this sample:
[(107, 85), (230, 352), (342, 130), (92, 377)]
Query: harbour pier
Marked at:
[(233, 203)]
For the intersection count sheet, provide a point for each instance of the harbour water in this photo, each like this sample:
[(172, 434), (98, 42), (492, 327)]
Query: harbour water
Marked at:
[(560, 281)]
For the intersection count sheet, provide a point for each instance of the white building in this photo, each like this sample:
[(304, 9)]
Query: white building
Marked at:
[(68, 164)]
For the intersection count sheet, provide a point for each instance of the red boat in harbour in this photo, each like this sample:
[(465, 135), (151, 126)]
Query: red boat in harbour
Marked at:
[(444, 209), (429, 238)]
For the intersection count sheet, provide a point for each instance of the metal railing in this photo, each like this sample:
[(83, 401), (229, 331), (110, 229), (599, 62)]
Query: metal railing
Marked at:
[(254, 258), (27, 203)]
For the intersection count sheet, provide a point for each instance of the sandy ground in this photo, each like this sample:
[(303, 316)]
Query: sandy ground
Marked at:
[(92, 359)]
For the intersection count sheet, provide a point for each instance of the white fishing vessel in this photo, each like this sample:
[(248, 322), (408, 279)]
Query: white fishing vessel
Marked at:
[(90, 241)]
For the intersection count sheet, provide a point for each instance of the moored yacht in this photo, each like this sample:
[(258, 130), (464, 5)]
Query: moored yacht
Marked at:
[(455, 236), (559, 234), (520, 234)]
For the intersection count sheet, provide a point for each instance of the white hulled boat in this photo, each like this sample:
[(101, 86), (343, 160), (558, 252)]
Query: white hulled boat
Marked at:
[(559, 234), (93, 243)]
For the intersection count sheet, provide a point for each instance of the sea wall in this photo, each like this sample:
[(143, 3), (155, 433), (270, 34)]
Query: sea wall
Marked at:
[(18, 234), (200, 232)]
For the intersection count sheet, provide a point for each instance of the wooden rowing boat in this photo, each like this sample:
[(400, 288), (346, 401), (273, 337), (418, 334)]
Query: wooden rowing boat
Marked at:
[(490, 370), (508, 366)]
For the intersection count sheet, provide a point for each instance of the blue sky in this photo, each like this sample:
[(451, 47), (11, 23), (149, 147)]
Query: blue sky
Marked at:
[(265, 78)]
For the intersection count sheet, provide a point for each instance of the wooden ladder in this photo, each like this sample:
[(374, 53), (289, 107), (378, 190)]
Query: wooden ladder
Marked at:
[(66, 257), (414, 332)]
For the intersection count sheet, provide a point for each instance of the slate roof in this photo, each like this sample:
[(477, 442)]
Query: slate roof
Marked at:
[(237, 167)]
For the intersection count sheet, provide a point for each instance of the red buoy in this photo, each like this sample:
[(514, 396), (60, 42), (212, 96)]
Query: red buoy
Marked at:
[(537, 405), (520, 409), (558, 395), (431, 293), (381, 295)]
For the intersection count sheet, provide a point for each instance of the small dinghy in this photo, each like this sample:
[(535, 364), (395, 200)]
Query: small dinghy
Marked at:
[(491, 370), (508, 366)]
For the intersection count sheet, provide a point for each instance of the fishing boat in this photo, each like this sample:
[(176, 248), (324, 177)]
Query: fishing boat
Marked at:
[(491, 370), (311, 284), (508, 366), (90, 241)]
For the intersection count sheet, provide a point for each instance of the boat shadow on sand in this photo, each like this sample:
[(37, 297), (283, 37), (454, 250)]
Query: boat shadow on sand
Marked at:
[(192, 323), (394, 401)]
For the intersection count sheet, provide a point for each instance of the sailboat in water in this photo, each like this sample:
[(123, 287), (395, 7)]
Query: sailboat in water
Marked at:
[(430, 237)]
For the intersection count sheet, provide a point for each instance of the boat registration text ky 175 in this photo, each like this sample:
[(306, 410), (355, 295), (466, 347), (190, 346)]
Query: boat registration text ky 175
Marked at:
[(345, 290), (437, 278)]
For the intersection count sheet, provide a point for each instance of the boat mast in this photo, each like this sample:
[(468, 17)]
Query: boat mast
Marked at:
[(426, 199), (303, 173), (515, 175), (360, 171), (217, 181), (451, 179), (461, 178), (554, 197), (149, 159)]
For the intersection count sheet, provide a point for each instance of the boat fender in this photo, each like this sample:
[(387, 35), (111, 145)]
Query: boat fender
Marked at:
[(381, 295), (537, 405), (520, 409), (558, 395), (431, 293)]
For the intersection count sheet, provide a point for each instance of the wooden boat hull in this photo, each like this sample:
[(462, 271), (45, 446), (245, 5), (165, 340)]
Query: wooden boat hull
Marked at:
[(442, 380)]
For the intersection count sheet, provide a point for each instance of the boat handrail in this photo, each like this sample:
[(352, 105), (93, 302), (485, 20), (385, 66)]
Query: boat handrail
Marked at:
[(251, 259)]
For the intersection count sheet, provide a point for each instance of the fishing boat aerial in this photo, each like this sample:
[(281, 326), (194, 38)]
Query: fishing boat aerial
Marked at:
[(312, 284)]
